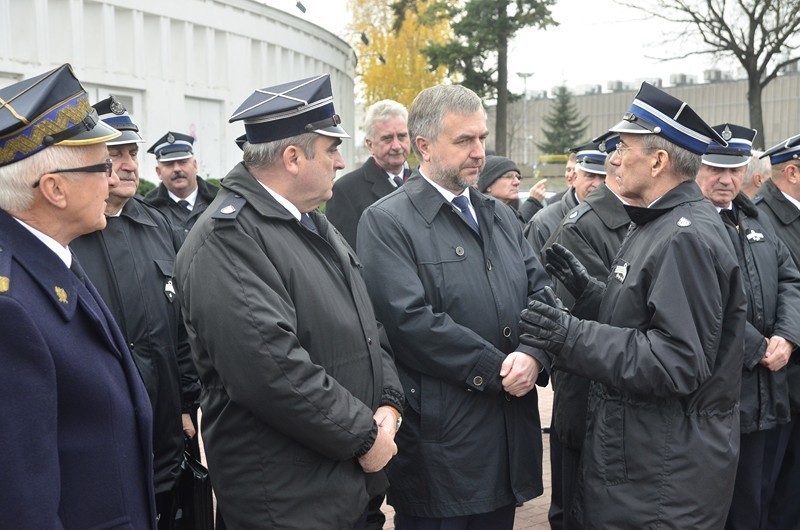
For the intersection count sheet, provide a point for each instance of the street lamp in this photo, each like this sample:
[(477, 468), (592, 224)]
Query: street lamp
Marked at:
[(525, 76)]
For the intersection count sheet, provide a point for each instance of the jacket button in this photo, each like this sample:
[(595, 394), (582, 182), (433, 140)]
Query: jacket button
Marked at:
[(488, 264), (506, 332), (369, 340), (459, 251), (477, 380)]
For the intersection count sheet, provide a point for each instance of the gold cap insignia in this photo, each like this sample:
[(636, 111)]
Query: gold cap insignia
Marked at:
[(61, 294), (4, 283)]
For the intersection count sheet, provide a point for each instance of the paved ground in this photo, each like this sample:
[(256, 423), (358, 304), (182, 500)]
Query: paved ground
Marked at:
[(533, 514)]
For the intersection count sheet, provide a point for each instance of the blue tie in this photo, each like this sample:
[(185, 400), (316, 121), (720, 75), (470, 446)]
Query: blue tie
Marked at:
[(306, 221), (462, 203)]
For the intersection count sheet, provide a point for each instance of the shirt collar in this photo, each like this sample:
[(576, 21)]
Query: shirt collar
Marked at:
[(282, 200), (191, 199), (61, 251)]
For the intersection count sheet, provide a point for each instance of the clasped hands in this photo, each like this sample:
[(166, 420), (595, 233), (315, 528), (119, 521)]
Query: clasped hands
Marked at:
[(384, 448)]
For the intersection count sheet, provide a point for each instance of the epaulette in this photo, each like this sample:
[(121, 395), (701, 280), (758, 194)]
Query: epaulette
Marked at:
[(576, 213), (230, 207), (5, 270)]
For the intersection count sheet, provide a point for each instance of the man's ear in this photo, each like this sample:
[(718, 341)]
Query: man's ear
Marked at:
[(424, 147), (660, 162), (53, 190), (291, 159)]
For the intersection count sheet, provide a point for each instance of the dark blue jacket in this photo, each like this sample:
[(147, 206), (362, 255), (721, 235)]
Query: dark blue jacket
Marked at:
[(75, 425)]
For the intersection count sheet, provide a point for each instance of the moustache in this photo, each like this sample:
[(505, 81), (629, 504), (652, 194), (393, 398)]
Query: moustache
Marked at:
[(178, 175)]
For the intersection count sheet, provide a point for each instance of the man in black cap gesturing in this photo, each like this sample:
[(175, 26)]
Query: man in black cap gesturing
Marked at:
[(182, 196), (301, 400), (665, 355), (75, 424)]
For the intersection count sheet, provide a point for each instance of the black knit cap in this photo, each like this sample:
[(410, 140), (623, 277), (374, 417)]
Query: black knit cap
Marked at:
[(494, 168)]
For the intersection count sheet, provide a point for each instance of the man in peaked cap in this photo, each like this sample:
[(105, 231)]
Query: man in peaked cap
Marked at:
[(76, 421), (301, 398), (589, 173), (593, 232), (779, 200), (665, 354), (773, 310), (182, 196), (130, 261)]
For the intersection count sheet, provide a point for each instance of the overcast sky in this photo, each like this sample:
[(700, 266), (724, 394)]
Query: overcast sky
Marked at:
[(597, 41)]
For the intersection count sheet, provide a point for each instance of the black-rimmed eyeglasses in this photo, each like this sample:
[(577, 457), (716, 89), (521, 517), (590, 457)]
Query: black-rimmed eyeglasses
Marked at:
[(106, 167)]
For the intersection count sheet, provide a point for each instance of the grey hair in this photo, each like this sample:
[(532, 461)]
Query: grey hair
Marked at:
[(684, 163), (756, 165), (265, 155), (426, 116), (17, 179), (383, 110)]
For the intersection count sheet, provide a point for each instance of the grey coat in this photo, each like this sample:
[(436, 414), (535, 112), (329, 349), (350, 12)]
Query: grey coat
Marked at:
[(450, 301), (292, 360)]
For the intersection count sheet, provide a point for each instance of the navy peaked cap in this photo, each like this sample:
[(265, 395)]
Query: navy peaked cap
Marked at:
[(738, 151), (112, 112), (173, 146), (607, 142), (786, 150), (589, 158), (290, 109), (49, 109), (655, 112)]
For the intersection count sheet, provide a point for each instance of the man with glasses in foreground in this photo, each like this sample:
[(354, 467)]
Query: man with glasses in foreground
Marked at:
[(665, 354), (75, 443), (131, 261)]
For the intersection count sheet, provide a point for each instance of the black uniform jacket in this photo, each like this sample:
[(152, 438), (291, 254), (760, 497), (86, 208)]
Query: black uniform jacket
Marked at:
[(785, 219), (665, 358), (182, 219), (75, 424), (292, 360), (593, 232), (131, 263), (772, 286), (450, 301), (546, 221), (353, 192)]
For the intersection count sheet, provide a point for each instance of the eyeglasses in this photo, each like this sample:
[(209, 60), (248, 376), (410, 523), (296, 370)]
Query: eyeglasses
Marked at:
[(106, 167), (622, 148)]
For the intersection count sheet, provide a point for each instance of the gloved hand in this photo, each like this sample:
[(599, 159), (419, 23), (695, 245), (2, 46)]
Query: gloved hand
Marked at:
[(565, 267), (544, 327)]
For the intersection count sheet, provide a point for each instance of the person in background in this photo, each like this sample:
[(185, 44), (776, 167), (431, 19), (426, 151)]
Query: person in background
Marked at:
[(131, 262), (76, 437), (756, 172), (182, 196), (386, 127), (500, 179), (772, 288)]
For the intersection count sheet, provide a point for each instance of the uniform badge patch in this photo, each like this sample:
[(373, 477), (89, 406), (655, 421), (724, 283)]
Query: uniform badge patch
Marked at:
[(228, 209), (684, 222), (4, 284), (620, 272), (754, 236), (61, 294), (169, 290), (573, 215)]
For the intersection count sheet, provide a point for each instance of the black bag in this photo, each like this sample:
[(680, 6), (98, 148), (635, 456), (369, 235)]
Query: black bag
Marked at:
[(194, 498)]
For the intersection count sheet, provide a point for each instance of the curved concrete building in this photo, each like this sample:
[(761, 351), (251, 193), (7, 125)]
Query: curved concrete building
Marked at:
[(181, 65)]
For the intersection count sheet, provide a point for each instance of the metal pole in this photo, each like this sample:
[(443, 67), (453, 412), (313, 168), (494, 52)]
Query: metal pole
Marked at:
[(525, 76)]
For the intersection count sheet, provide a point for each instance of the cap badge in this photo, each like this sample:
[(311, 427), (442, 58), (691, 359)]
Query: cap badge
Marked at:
[(61, 294), (727, 134), (228, 209), (170, 138), (684, 222), (116, 107)]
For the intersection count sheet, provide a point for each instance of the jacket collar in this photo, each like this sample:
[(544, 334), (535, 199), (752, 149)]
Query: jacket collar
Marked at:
[(136, 212), (687, 191), (778, 203), (241, 182), (608, 207), (46, 269), (428, 201)]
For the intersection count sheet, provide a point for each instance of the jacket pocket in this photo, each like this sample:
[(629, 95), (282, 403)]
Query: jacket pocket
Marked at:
[(612, 443)]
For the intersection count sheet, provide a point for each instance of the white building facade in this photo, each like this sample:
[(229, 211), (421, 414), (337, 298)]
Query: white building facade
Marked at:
[(180, 65)]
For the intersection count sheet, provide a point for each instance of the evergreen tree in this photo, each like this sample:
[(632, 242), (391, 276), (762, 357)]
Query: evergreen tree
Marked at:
[(564, 126)]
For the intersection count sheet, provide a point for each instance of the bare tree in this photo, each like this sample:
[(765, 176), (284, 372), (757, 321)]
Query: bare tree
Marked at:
[(760, 34)]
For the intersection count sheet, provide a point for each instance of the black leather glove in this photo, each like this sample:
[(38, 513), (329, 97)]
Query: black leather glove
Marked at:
[(565, 267), (544, 327)]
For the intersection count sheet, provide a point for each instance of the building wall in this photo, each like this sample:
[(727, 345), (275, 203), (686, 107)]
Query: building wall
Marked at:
[(181, 65), (715, 102)]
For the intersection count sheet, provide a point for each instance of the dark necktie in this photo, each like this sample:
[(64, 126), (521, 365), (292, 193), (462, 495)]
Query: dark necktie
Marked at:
[(397, 180), (462, 203), (306, 221), (183, 203), (729, 217), (77, 270)]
